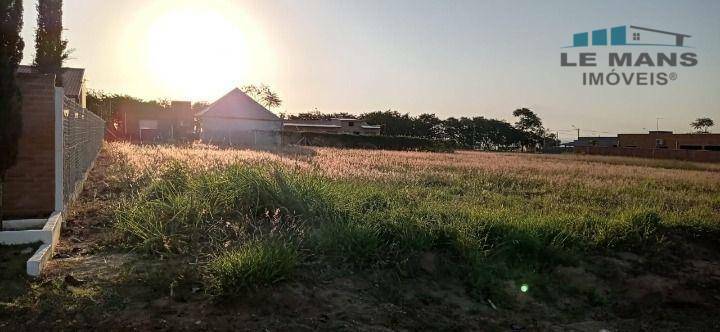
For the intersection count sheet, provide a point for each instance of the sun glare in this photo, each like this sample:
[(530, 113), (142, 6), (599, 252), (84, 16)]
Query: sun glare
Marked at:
[(196, 52)]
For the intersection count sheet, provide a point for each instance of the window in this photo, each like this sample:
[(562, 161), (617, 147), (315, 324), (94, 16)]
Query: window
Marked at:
[(636, 36), (148, 124), (690, 147), (660, 143), (712, 147), (351, 124)]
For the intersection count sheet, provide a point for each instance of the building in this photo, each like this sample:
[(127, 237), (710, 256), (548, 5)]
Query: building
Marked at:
[(669, 140), (595, 141), (237, 119), (332, 126), (147, 123), (73, 80)]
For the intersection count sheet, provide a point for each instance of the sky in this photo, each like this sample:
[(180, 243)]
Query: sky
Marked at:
[(451, 58)]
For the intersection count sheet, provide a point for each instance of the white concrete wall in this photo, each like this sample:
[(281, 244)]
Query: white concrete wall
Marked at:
[(240, 131)]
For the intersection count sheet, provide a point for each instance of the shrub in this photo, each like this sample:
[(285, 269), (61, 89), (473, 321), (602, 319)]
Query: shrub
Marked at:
[(254, 264)]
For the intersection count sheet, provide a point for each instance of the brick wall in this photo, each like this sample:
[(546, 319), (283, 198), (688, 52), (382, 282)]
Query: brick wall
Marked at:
[(670, 141), (689, 155), (29, 188)]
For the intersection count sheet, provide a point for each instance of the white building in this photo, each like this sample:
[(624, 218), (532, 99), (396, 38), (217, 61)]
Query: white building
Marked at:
[(237, 119)]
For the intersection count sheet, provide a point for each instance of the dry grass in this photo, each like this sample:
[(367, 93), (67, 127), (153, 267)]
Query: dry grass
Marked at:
[(595, 171), (496, 212)]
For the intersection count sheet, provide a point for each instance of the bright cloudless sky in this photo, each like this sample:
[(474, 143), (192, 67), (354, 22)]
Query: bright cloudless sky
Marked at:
[(451, 58)]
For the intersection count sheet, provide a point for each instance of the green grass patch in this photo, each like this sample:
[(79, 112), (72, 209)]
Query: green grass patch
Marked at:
[(258, 263)]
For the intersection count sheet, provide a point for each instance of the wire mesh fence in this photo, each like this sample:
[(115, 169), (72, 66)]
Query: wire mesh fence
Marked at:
[(83, 134)]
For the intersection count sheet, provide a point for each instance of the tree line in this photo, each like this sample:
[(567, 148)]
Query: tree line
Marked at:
[(478, 132)]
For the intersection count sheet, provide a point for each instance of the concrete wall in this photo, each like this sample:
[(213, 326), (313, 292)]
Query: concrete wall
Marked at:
[(689, 155), (240, 131), (29, 188)]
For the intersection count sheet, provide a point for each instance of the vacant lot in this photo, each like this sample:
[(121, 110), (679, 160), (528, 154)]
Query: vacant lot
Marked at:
[(202, 238)]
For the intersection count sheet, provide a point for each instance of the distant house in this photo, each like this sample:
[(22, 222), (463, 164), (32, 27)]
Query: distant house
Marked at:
[(73, 80), (332, 126), (147, 123), (607, 142), (237, 119), (669, 140)]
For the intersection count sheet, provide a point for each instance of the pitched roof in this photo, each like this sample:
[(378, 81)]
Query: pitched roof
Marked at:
[(237, 105), (72, 78)]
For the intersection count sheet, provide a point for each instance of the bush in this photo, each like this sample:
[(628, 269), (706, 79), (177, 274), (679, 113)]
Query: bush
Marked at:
[(254, 264)]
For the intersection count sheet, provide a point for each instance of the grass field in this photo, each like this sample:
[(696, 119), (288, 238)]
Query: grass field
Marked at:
[(516, 238)]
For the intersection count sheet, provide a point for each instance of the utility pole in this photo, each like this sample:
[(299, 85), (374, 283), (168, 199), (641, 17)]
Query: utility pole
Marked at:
[(657, 123)]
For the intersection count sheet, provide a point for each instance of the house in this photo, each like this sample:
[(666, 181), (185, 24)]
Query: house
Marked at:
[(595, 141), (669, 140), (648, 36), (146, 123), (237, 119), (332, 126), (73, 80)]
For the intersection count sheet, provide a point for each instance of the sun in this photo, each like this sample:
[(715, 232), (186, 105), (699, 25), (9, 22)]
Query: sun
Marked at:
[(196, 52)]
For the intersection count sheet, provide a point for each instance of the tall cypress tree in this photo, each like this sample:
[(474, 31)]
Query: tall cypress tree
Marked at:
[(50, 48), (11, 52)]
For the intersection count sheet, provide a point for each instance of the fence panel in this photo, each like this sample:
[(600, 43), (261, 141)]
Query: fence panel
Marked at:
[(83, 134)]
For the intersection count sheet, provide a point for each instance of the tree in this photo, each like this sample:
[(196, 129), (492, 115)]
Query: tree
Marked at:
[(528, 120), (532, 125), (702, 125), (393, 123), (427, 126), (263, 95), (199, 106), (11, 52), (50, 48), (106, 104)]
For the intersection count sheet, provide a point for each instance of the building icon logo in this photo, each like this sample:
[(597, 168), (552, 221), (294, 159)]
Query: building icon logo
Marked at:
[(629, 35)]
